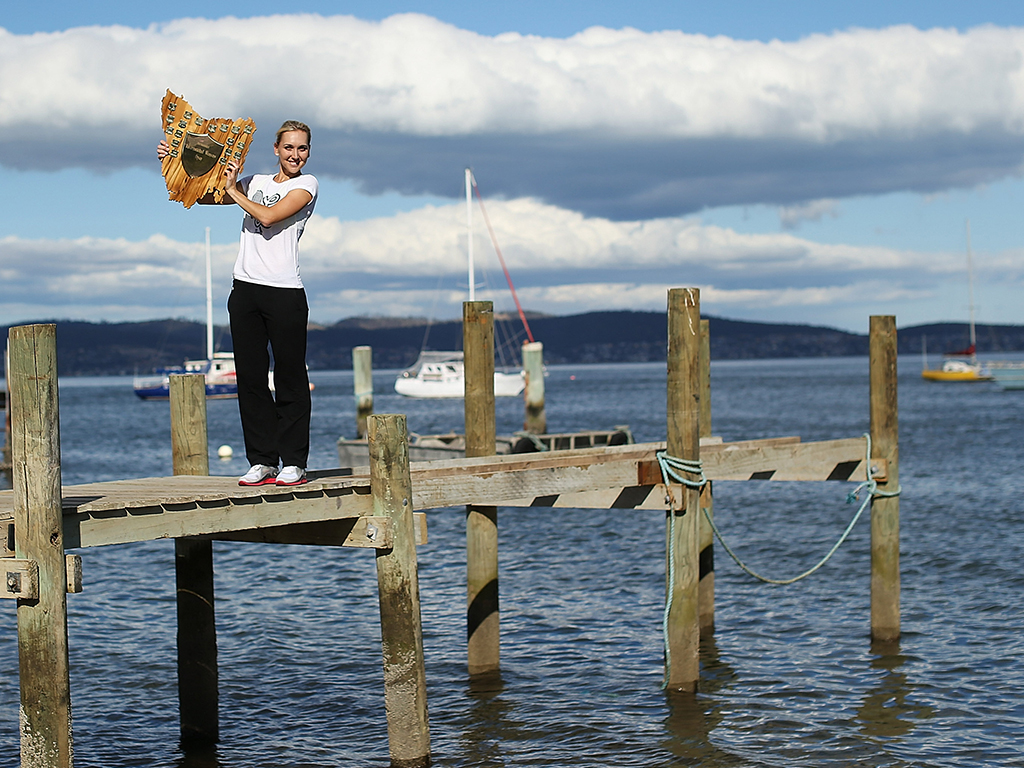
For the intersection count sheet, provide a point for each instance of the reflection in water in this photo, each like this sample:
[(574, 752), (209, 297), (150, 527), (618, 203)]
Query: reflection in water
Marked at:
[(489, 722), (885, 712), (692, 717), (199, 757)]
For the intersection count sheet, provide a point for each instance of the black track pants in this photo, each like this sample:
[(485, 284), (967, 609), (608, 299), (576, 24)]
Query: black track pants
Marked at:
[(275, 426)]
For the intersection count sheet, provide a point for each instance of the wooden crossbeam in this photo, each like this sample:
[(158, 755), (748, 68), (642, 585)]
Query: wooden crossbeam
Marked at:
[(794, 461), (626, 476)]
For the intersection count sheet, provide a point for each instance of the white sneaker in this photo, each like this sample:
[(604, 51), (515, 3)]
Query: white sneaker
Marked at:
[(291, 476), (258, 474)]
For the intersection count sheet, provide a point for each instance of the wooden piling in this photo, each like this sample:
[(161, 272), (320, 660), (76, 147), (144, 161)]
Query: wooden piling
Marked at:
[(682, 669), (706, 589), (536, 421), (482, 614), (193, 566), (362, 376), (885, 511), (46, 739), (405, 680), (5, 458)]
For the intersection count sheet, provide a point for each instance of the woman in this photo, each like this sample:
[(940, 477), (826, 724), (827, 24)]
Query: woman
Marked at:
[(268, 306)]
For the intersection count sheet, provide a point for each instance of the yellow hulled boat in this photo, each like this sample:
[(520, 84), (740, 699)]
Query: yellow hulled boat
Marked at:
[(957, 370)]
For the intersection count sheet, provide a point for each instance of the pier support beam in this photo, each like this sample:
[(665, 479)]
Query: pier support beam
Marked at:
[(405, 679), (536, 421), (362, 383), (482, 616), (682, 666), (885, 511), (46, 740), (193, 566), (706, 590)]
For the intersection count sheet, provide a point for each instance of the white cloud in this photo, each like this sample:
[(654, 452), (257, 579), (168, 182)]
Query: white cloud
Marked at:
[(535, 237), (414, 74), (561, 261), (621, 123)]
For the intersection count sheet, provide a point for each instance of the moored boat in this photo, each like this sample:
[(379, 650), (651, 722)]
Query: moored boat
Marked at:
[(958, 369), (442, 375), (218, 371), (451, 445), (218, 367), (962, 365)]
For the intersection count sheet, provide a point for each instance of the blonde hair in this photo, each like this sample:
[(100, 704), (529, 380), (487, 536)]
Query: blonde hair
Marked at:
[(293, 125)]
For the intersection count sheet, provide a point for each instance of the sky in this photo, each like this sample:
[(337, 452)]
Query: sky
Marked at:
[(799, 162)]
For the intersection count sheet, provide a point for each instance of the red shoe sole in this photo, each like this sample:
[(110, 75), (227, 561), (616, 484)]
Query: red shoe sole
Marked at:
[(303, 481), (264, 481)]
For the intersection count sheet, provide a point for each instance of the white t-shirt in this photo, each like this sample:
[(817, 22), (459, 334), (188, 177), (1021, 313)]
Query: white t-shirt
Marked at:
[(270, 255)]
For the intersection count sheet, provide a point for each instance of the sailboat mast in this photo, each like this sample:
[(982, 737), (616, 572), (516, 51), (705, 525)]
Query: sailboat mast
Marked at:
[(970, 285), (209, 300), (469, 232)]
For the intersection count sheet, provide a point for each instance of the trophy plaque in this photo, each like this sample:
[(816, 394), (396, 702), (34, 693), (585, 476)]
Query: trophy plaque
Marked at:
[(200, 149)]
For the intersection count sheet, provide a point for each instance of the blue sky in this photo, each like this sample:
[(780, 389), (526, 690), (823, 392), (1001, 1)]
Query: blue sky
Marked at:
[(800, 162)]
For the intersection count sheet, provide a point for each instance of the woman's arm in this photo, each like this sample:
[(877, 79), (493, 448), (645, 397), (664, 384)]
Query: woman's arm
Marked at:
[(163, 149), (266, 215)]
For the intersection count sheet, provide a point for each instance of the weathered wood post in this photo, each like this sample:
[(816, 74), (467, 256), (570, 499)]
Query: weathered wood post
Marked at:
[(682, 668), (706, 591), (482, 616), (536, 421), (885, 511), (362, 383), (193, 567), (405, 678), (46, 740), (5, 458)]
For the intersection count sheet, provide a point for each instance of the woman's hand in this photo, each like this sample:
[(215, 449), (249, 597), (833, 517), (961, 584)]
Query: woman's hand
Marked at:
[(163, 149), (231, 174)]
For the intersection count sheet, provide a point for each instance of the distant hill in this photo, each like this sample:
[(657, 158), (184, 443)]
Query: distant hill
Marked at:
[(85, 349)]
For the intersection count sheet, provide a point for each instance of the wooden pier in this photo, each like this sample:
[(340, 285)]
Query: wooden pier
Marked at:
[(382, 507)]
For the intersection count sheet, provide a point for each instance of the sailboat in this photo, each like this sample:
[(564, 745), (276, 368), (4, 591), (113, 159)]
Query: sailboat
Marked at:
[(962, 365), (442, 374), (218, 367)]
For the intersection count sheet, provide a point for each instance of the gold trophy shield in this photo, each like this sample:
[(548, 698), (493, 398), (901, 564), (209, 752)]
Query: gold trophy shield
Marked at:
[(200, 149)]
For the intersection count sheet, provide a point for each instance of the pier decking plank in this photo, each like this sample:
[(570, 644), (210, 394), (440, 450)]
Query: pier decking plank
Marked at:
[(144, 509)]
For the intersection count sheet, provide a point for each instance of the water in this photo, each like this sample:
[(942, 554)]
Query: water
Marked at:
[(790, 679)]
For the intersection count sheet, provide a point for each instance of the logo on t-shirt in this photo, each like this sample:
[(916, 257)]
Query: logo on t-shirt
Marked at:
[(267, 201)]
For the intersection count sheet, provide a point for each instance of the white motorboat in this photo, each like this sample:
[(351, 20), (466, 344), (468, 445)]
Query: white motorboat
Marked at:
[(442, 374)]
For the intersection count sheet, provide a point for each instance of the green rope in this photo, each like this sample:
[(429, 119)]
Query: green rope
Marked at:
[(673, 468), (871, 485)]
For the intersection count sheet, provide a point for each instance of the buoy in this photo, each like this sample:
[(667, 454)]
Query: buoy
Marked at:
[(225, 452)]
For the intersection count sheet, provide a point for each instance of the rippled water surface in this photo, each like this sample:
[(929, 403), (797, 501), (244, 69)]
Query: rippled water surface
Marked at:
[(790, 678)]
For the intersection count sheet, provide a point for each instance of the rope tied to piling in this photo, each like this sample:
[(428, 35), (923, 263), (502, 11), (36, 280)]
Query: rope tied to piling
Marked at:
[(669, 465), (873, 491), (364, 393), (674, 468)]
